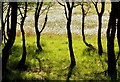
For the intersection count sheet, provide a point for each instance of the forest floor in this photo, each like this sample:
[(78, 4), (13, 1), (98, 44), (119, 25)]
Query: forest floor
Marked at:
[(53, 62)]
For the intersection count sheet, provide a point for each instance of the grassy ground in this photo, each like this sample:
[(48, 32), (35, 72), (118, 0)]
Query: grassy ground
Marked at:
[(53, 62)]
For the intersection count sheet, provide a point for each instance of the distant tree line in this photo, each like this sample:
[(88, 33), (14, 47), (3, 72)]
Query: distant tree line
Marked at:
[(15, 9)]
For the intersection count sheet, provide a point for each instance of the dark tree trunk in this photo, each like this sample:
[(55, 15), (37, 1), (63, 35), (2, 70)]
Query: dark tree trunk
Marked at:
[(23, 59), (38, 41), (37, 12), (73, 62), (100, 49), (112, 72), (11, 39), (83, 22), (37, 35)]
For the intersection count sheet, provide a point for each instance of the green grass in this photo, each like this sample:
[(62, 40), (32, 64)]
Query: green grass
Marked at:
[(55, 59)]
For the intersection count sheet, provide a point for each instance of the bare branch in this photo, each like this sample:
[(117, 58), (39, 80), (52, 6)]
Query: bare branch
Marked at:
[(66, 12), (45, 20), (64, 9), (44, 23), (76, 5), (95, 4), (68, 5), (60, 3), (39, 9), (20, 12), (72, 5), (87, 9), (102, 8), (47, 8)]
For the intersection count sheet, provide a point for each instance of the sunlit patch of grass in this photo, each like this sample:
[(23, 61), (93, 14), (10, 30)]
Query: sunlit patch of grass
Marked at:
[(53, 62)]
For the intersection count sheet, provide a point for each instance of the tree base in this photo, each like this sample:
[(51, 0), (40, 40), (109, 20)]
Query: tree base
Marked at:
[(39, 50)]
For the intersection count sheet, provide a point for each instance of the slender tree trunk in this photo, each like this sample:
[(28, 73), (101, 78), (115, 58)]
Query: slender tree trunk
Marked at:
[(112, 72), (38, 42), (83, 22), (100, 49), (23, 59), (11, 39), (73, 62), (37, 35), (37, 12)]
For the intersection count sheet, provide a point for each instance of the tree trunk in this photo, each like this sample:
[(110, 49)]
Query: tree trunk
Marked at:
[(112, 72), (73, 62), (11, 39), (83, 35), (37, 12), (23, 59), (100, 49), (37, 35), (38, 42)]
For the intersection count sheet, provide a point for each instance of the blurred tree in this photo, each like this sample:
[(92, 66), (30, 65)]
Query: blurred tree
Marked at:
[(12, 34), (112, 72), (100, 14)]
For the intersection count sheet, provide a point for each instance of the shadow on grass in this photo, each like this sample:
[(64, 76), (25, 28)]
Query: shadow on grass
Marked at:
[(69, 73), (32, 61), (11, 75), (14, 58), (89, 51)]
